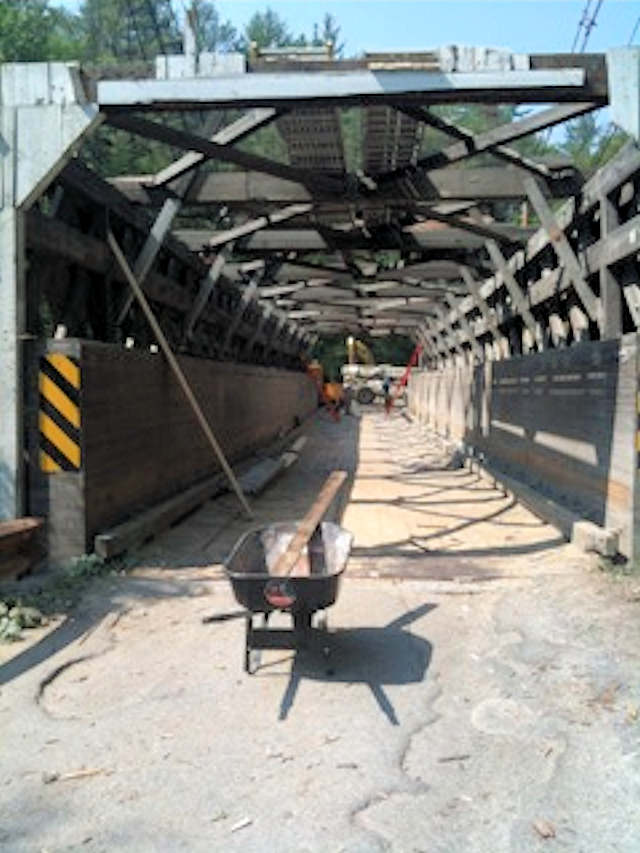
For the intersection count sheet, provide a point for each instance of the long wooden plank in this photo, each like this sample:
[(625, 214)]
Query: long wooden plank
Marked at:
[(177, 371), (287, 561)]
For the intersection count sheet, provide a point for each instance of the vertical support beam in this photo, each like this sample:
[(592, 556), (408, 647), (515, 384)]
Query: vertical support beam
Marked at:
[(43, 115), (12, 327), (610, 290), (189, 42), (557, 330), (579, 322)]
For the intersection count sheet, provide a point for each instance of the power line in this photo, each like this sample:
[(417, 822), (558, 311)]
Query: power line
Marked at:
[(590, 24), (584, 17), (634, 31)]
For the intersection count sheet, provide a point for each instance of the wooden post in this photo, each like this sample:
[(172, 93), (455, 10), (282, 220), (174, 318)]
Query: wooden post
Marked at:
[(177, 370), (610, 291)]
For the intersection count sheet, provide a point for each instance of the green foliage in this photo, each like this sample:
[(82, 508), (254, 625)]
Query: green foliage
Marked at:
[(590, 145), (328, 31), (268, 29), (212, 33), (126, 29), (31, 31)]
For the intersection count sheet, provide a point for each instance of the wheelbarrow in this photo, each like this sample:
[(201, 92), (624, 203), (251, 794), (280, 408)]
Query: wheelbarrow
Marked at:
[(311, 590)]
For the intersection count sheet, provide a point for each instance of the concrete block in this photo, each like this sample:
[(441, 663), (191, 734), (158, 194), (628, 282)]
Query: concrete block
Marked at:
[(589, 537)]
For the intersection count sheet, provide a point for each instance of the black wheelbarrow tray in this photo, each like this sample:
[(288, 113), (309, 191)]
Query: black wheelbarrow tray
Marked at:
[(301, 596)]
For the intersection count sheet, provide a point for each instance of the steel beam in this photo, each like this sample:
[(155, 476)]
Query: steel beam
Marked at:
[(349, 87)]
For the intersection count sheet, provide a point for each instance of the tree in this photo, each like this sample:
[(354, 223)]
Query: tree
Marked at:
[(212, 33), (329, 31), (590, 145), (268, 29), (129, 29), (31, 31)]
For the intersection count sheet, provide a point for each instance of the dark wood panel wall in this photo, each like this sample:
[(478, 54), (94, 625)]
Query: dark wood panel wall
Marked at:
[(563, 421), (140, 441)]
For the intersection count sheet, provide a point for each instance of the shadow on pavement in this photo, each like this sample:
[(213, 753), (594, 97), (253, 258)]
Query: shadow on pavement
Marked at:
[(101, 599), (377, 657)]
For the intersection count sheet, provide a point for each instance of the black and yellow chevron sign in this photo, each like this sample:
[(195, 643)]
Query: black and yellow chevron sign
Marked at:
[(59, 416)]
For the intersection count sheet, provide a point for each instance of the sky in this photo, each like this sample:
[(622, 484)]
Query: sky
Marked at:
[(527, 26)]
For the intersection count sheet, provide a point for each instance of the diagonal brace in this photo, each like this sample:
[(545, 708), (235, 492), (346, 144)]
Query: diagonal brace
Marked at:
[(514, 289), (177, 371), (563, 249)]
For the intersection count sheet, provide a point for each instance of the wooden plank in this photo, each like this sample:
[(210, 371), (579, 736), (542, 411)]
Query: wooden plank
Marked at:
[(610, 291), (563, 249), (287, 561), (246, 228), (149, 523), (177, 371), (20, 546)]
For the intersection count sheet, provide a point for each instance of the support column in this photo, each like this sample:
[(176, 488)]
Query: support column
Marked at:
[(12, 327), (44, 112)]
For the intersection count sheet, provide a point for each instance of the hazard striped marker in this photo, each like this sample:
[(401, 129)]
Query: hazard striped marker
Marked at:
[(59, 415)]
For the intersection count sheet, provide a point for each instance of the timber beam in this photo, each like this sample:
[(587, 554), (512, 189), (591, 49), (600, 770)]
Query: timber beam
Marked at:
[(573, 80)]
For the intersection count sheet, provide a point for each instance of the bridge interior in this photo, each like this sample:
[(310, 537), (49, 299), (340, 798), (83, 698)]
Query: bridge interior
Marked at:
[(518, 278), (480, 690)]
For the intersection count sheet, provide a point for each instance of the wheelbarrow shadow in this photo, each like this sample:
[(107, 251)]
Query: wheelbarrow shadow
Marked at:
[(377, 657)]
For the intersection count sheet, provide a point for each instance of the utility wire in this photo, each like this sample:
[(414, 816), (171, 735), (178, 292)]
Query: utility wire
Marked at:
[(584, 17), (590, 24), (634, 31)]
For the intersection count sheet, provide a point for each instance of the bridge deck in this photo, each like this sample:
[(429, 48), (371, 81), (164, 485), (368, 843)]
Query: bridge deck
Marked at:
[(462, 710)]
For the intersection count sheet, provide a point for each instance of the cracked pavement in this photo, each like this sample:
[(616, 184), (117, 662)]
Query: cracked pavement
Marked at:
[(482, 691)]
